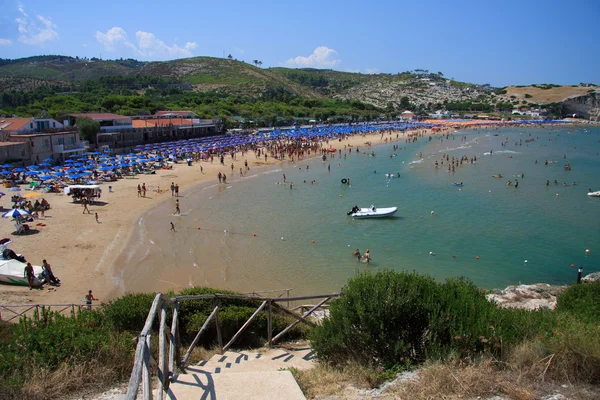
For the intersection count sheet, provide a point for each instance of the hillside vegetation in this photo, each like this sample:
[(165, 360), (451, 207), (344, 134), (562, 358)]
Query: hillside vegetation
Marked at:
[(238, 91)]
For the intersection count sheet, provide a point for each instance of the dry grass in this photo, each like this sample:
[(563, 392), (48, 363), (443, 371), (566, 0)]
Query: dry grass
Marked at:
[(545, 96), (90, 377), (453, 380), (200, 354), (441, 381), (324, 380)]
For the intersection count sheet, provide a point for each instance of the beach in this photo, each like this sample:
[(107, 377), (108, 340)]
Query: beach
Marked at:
[(83, 253), (132, 248)]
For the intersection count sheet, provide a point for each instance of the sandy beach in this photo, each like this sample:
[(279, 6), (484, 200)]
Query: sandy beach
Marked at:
[(83, 252)]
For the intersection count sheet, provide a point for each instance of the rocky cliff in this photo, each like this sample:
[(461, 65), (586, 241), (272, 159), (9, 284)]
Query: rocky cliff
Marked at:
[(587, 106)]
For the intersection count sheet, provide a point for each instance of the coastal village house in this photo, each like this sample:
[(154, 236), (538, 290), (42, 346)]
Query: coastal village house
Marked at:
[(30, 140), (120, 133)]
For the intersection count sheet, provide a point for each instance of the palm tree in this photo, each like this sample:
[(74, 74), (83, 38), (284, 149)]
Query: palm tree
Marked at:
[(255, 62), (230, 56), (260, 63)]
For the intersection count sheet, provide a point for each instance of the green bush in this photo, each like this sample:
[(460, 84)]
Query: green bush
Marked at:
[(49, 339), (582, 301), (128, 313), (393, 319), (381, 320)]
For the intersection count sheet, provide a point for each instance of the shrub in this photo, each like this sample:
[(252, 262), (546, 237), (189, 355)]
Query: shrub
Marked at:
[(393, 319), (381, 320), (128, 313), (48, 341), (582, 301)]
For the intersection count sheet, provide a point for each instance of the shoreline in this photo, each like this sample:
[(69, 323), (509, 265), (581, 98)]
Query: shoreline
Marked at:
[(87, 255), (84, 254)]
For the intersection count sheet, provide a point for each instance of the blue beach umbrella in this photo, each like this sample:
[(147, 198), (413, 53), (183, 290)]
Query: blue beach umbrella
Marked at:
[(33, 167), (19, 169), (44, 177), (59, 173), (31, 173), (7, 166), (15, 212)]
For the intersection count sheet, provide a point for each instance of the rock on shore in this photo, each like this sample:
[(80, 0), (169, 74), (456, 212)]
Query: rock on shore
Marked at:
[(528, 297), (533, 297)]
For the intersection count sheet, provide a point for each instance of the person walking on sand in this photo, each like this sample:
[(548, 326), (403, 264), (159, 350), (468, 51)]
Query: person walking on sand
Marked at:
[(177, 210), (85, 207), (139, 191), (176, 190), (172, 227), (97, 218), (88, 299), (172, 189), (143, 190)]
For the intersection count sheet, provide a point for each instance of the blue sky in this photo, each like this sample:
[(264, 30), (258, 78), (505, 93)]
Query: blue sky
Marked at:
[(500, 42)]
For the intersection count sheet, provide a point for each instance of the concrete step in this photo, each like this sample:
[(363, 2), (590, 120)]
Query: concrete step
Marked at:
[(257, 385), (270, 360)]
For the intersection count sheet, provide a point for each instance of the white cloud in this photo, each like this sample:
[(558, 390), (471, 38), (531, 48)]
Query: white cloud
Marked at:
[(113, 36), (145, 45), (5, 42), (371, 71), (35, 30), (321, 57)]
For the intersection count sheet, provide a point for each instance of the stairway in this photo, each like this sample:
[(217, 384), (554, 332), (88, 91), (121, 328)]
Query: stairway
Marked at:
[(243, 375)]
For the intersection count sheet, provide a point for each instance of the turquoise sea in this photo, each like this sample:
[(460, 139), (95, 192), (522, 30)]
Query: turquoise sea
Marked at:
[(549, 226)]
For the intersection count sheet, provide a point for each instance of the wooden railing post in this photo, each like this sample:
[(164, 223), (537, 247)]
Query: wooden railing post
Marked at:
[(246, 325), (162, 348), (197, 338), (270, 324), (173, 343), (218, 324), (146, 380)]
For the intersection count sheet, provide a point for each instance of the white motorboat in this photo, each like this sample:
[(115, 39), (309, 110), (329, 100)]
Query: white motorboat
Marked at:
[(12, 267), (594, 194), (372, 212)]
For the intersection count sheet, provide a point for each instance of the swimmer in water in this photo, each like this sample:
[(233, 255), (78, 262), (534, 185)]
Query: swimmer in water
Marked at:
[(367, 256)]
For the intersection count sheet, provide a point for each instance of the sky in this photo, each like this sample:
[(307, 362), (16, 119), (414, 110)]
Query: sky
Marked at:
[(503, 42)]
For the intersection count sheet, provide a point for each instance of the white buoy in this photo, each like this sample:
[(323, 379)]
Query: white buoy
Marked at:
[(225, 231), (526, 261), (282, 238), (432, 212)]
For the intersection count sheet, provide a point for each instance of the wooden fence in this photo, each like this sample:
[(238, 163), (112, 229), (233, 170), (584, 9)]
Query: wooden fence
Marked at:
[(169, 340), (9, 312)]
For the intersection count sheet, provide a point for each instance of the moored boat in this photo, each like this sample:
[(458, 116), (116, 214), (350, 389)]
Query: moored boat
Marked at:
[(12, 267), (372, 212)]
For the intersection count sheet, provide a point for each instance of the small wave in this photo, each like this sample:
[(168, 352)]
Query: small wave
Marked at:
[(463, 147), (487, 153), (416, 162)]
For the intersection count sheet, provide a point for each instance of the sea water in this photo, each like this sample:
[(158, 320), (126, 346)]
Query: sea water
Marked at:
[(257, 233)]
